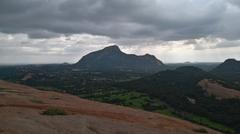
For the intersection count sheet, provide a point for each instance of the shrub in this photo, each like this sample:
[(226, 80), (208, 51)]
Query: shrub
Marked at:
[(37, 101), (54, 111), (200, 130)]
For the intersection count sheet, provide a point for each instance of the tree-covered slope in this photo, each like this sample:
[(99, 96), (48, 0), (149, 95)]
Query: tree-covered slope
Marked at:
[(179, 88)]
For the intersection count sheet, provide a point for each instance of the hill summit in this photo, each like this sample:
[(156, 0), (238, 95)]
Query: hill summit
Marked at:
[(228, 70), (113, 59), (229, 65)]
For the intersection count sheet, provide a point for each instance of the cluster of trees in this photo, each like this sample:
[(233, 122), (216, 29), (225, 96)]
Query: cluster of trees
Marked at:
[(177, 86)]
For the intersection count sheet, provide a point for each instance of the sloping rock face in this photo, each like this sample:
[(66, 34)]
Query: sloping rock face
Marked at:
[(21, 109)]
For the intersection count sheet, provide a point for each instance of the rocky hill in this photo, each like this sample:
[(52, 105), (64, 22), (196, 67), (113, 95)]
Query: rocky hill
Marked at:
[(229, 70), (113, 59), (25, 110)]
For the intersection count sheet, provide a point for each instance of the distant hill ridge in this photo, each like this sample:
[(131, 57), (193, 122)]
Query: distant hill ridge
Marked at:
[(113, 59), (229, 65), (229, 70)]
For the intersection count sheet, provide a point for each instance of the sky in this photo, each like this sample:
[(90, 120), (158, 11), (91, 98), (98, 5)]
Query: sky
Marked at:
[(57, 31)]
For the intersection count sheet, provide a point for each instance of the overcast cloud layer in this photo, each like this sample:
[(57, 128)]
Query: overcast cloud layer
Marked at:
[(45, 31)]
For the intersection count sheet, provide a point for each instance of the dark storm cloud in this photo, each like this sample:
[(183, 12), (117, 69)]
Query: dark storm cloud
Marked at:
[(235, 2), (17, 7), (42, 34), (159, 19)]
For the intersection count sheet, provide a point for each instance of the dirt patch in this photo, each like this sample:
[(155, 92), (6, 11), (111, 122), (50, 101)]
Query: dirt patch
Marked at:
[(213, 88), (27, 77)]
